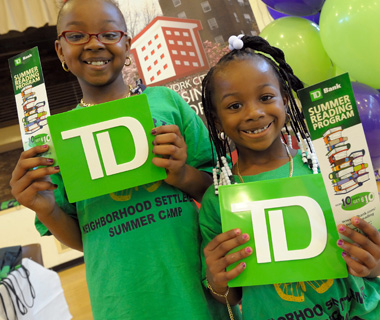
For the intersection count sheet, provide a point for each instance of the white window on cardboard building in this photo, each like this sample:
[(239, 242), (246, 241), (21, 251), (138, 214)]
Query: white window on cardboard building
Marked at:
[(241, 2), (176, 3), (247, 18), (205, 6), (236, 17), (219, 39), (182, 15), (212, 23)]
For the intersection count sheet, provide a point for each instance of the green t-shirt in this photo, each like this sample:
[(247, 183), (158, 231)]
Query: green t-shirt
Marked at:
[(319, 300), (142, 245)]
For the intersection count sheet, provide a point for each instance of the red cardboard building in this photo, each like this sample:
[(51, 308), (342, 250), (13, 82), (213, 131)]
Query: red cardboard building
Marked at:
[(167, 49)]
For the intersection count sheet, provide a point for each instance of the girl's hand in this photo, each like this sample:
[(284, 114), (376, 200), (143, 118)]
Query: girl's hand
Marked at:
[(171, 146), (218, 259), (363, 255), (31, 187)]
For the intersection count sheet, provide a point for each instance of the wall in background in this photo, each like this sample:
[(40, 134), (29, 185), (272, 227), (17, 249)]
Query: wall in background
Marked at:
[(17, 228)]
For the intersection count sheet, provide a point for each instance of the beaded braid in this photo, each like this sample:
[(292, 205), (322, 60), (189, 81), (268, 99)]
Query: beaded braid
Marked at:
[(243, 47)]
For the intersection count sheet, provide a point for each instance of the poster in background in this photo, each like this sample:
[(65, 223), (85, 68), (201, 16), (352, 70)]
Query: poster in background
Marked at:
[(177, 49)]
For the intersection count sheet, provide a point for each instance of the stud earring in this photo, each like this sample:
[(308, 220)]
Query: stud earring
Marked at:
[(221, 136), (64, 67), (128, 61)]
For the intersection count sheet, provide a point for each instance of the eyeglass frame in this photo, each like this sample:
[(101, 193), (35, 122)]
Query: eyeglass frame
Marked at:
[(62, 34)]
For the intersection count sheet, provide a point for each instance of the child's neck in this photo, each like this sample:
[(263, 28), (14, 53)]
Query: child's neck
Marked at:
[(100, 94), (255, 162)]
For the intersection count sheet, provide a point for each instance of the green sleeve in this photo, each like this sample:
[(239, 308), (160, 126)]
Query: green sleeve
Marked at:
[(199, 148)]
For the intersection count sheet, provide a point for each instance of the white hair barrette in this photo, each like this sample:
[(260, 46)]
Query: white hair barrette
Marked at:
[(235, 42)]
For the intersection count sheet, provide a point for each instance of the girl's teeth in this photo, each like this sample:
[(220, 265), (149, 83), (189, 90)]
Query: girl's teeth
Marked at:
[(258, 130), (98, 63)]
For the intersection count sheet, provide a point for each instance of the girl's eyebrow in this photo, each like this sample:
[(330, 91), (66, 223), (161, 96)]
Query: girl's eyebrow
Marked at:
[(262, 86), (228, 95)]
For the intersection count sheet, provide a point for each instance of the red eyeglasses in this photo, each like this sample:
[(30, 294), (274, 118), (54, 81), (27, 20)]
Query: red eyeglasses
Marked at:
[(80, 37)]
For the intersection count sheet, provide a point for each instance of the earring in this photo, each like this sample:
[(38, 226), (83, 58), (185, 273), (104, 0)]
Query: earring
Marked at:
[(221, 136), (64, 67), (128, 62)]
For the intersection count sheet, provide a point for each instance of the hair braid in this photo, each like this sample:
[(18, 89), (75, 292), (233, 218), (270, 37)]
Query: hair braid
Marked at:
[(220, 146)]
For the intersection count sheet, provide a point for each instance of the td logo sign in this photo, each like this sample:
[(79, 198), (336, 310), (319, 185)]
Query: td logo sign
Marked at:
[(105, 145), (316, 94), (105, 148), (274, 207), (291, 227)]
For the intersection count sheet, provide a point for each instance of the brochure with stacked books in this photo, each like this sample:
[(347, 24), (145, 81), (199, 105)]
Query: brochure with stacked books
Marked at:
[(31, 100), (338, 137)]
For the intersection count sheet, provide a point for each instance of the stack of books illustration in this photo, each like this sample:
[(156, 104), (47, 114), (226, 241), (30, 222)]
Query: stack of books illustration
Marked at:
[(34, 113), (348, 169)]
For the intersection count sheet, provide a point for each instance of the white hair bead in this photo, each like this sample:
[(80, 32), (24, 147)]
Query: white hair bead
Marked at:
[(232, 39), (238, 44), (235, 42)]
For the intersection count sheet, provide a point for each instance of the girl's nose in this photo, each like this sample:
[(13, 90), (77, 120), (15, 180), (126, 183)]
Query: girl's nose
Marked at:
[(94, 43), (254, 112)]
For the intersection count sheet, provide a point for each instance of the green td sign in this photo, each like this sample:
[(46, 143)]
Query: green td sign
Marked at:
[(291, 228), (17, 61), (316, 95), (105, 148)]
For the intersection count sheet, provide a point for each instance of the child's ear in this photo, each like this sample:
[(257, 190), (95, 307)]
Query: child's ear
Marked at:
[(285, 99), (128, 44), (217, 123), (58, 50)]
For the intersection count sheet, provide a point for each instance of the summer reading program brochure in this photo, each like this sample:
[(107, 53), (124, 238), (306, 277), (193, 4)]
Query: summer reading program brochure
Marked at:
[(31, 100), (343, 155)]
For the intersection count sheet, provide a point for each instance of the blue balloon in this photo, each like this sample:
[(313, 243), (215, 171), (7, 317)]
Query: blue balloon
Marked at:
[(298, 8), (368, 104), (277, 15)]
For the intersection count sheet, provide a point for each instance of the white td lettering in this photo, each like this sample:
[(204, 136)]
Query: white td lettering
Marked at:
[(105, 146), (276, 220)]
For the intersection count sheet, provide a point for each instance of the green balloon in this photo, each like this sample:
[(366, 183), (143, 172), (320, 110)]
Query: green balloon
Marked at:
[(299, 39), (339, 71), (350, 33)]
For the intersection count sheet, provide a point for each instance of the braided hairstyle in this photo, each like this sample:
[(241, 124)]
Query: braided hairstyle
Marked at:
[(257, 47)]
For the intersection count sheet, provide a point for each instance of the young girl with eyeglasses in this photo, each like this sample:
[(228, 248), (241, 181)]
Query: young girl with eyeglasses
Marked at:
[(153, 271), (248, 97)]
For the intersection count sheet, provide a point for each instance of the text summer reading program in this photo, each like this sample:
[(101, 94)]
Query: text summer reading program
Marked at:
[(331, 112)]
